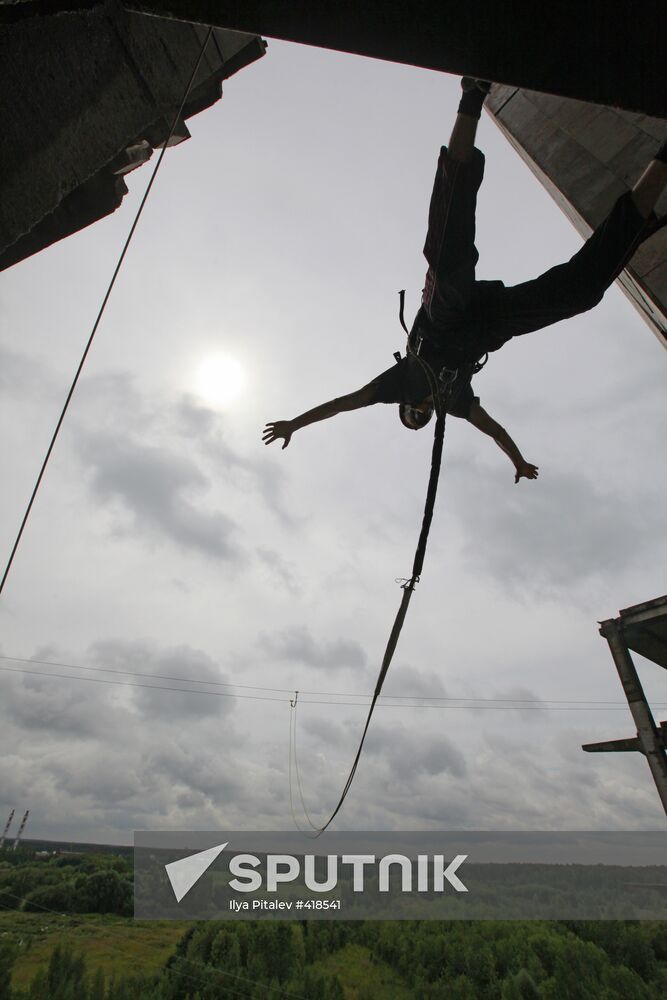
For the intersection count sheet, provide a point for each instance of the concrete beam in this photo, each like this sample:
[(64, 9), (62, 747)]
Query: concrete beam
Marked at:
[(590, 51), (85, 97), (587, 155)]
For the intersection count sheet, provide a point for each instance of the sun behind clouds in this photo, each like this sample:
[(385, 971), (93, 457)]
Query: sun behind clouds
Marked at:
[(219, 380)]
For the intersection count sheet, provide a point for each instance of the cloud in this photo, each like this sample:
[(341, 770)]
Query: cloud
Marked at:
[(186, 767), (111, 758), (280, 569), (546, 536), (14, 369), (411, 682), (173, 668), (155, 486), (54, 706), (410, 754), (153, 452), (265, 476), (297, 644)]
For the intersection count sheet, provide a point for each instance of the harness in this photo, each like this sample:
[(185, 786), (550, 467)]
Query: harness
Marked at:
[(440, 371)]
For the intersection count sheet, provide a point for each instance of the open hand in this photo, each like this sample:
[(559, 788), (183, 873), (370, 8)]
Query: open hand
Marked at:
[(527, 471), (279, 429)]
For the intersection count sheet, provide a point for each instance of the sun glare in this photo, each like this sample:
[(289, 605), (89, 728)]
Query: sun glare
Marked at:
[(219, 380)]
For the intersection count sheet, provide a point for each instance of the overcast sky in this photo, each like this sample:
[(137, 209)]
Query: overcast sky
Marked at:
[(168, 540)]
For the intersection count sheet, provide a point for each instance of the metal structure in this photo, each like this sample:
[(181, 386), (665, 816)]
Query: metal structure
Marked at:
[(642, 629), (21, 829), (6, 829)]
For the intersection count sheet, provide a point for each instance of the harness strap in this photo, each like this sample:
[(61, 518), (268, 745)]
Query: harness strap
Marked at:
[(401, 309), (439, 383), (446, 375)]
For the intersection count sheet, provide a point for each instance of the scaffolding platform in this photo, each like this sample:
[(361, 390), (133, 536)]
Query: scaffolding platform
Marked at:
[(641, 629)]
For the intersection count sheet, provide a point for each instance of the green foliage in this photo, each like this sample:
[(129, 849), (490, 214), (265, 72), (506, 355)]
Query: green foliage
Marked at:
[(7, 958), (64, 979), (520, 987), (60, 897), (67, 884), (326, 960), (105, 891)]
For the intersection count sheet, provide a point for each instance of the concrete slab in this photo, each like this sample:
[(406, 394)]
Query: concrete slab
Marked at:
[(587, 155)]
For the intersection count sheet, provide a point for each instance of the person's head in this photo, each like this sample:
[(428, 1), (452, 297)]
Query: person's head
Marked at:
[(415, 417)]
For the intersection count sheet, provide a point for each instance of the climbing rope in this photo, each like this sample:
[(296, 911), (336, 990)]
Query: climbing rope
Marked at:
[(408, 588), (100, 313)]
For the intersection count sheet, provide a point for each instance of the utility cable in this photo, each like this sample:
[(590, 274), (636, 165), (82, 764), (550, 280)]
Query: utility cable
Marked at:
[(406, 701), (101, 312)]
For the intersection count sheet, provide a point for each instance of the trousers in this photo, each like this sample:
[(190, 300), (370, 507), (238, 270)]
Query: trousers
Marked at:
[(471, 317)]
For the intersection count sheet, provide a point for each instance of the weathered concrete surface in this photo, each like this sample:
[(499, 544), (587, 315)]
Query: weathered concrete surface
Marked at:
[(587, 50), (587, 155), (593, 51), (81, 88)]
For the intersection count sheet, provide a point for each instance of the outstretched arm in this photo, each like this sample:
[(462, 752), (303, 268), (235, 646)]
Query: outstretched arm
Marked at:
[(480, 419), (285, 428)]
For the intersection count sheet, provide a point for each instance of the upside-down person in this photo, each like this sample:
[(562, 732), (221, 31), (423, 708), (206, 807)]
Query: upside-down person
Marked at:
[(461, 319)]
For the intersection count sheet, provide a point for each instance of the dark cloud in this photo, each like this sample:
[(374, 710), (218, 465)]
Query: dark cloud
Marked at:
[(94, 781), (54, 705), (155, 486), (298, 645), (410, 754), (188, 767), (323, 730), (546, 536), (264, 476), (151, 758), (411, 682), (167, 666), (528, 706), (194, 439)]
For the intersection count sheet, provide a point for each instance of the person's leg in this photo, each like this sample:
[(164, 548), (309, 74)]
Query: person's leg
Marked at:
[(450, 242), (579, 284)]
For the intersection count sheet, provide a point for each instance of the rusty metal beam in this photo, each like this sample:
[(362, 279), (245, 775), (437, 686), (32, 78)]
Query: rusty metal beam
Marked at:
[(649, 738)]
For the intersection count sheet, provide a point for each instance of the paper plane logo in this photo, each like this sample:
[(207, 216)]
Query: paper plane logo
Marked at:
[(186, 872)]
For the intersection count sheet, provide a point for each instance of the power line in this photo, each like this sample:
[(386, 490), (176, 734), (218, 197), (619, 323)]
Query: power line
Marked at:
[(539, 702), (137, 673), (151, 687), (469, 704)]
